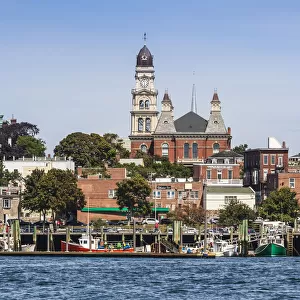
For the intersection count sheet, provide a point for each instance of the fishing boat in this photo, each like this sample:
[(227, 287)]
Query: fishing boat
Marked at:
[(271, 245), (88, 243)]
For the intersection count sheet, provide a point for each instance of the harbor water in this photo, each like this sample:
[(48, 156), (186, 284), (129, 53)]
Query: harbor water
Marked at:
[(41, 277)]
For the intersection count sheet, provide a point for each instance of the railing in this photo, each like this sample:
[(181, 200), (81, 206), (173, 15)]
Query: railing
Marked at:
[(238, 182)]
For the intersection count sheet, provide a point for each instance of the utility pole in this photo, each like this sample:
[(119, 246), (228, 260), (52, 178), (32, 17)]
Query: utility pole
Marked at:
[(205, 217)]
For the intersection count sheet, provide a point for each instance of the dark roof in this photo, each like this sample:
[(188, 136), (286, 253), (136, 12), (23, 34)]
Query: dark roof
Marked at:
[(297, 155), (215, 97), (144, 58), (227, 153), (190, 122)]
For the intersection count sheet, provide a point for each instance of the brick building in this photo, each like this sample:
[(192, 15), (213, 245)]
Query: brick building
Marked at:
[(189, 139), (258, 163), (167, 194)]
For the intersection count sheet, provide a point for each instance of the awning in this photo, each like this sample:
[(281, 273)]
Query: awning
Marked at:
[(117, 209)]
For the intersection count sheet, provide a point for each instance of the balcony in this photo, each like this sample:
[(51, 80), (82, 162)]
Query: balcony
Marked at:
[(226, 182)]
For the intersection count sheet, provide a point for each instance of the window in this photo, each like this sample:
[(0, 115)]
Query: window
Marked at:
[(228, 199), (208, 174), (148, 125), (292, 183), (219, 174), (147, 104), (230, 174), (111, 194), (216, 148), (181, 195), (144, 148), (194, 195), (266, 171), (265, 159), (171, 194), (141, 104), (280, 160), (156, 194), (165, 150), (186, 150), (195, 150), (140, 124), (273, 159), (6, 203)]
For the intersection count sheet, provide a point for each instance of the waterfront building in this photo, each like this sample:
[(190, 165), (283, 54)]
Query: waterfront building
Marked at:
[(9, 202), (260, 162), (188, 139)]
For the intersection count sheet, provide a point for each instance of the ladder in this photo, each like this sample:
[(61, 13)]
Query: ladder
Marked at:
[(290, 242)]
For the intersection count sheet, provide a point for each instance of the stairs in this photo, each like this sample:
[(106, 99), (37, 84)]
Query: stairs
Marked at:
[(170, 246)]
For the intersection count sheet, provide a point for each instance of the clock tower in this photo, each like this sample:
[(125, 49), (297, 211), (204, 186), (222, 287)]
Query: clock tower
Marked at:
[(144, 113)]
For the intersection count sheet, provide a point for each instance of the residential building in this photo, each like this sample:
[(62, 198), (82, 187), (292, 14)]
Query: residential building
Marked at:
[(25, 166), (9, 203), (260, 162)]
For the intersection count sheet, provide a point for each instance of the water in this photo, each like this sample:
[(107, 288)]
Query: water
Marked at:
[(149, 278)]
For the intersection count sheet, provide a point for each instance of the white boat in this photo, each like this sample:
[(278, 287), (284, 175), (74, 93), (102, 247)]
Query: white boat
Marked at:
[(8, 245)]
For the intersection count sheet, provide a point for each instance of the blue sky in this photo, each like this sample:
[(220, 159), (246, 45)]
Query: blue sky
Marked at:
[(68, 66)]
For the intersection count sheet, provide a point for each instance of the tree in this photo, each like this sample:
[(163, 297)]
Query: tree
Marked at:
[(7, 177), (9, 134), (56, 191), (189, 214), (240, 149), (234, 212), (87, 150), (31, 146), (280, 205), (133, 193)]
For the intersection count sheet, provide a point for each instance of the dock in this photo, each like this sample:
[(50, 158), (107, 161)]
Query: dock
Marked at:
[(108, 254)]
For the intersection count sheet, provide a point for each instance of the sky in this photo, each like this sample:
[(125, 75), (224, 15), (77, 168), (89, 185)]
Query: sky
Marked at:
[(68, 66)]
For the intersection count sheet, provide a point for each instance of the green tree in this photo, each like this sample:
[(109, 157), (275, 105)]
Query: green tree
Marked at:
[(31, 146), (55, 191), (9, 134), (234, 212), (240, 149), (87, 150), (133, 194), (7, 177), (281, 205)]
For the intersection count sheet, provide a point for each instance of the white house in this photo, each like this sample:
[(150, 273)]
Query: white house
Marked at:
[(25, 166), (218, 196)]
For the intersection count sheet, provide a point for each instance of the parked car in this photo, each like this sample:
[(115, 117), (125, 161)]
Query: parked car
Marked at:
[(190, 230), (150, 221), (165, 221)]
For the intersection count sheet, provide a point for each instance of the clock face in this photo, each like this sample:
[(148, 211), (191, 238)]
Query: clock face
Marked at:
[(144, 82)]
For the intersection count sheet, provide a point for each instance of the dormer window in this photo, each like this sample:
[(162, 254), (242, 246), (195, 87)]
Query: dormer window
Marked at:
[(166, 122), (214, 161), (226, 161)]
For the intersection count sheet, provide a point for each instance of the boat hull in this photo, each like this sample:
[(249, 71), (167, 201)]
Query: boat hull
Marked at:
[(270, 249), (74, 247)]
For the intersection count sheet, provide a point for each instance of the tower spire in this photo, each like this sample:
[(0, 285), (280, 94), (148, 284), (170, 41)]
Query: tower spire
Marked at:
[(194, 103), (145, 38)]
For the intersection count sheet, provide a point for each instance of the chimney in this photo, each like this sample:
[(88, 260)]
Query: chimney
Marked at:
[(79, 171), (283, 145)]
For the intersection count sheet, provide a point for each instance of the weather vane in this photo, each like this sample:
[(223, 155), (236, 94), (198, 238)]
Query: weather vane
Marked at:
[(145, 37)]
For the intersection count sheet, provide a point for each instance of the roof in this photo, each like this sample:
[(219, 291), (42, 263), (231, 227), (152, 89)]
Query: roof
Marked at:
[(297, 155), (190, 122), (229, 190), (144, 58), (227, 153)]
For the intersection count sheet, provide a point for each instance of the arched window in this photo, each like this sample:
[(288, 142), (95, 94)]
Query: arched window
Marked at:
[(195, 150), (140, 124), (186, 150), (148, 124), (141, 104), (147, 104), (165, 150), (216, 148), (144, 148)]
